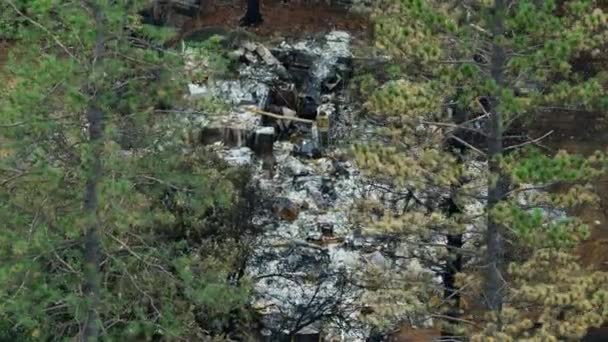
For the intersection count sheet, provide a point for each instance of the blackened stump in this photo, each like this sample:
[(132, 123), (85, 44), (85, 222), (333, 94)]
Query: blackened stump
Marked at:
[(263, 142), (253, 16)]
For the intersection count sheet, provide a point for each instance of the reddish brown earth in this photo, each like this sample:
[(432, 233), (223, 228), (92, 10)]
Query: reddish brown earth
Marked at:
[(3, 52), (4, 47), (408, 334), (584, 133), (576, 132), (291, 19)]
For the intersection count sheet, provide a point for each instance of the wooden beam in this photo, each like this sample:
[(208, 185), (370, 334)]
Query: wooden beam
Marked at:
[(281, 117)]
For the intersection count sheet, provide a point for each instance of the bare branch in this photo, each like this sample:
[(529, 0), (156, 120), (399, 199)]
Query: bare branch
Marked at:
[(463, 61), (485, 115), (10, 179), (160, 181), (455, 126), (466, 321), (457, 250), (272, 115), (138, 288), (534, 141), (529, 188), (468, 145), (298, 243), (139, 257), (480, 29)]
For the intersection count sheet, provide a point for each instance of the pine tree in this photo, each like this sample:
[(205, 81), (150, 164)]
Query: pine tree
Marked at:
[(553, 299), (469, 74), (112, 228)]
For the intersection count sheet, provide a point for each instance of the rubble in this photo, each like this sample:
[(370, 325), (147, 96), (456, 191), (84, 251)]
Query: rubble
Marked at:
[(310, 248), (308, 149), (238, 157), (377, 259), (285, 209), (295, 168)]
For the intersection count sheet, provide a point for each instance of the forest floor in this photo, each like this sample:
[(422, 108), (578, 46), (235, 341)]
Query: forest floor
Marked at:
[(3, 52), (575, 132), (584, 133), (292, 19)]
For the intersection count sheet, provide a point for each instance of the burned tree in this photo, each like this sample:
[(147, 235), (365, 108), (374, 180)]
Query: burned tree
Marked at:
[(253, 16), (303, 292)]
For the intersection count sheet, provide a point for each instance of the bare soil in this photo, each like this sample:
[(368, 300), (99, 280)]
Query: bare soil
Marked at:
[(584, 133), (4, 45), (292, 19)]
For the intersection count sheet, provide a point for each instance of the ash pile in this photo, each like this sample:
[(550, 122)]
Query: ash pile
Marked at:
[(294, 92), (290, 120), (288, 114)]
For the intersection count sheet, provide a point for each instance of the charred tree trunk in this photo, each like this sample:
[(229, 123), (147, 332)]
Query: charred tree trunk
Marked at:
[(253, 16), (498, 182), (93, 168), (452, 267)]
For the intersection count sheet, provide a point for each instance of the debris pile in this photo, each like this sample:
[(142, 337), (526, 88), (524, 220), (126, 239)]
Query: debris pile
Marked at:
[(289, 113)]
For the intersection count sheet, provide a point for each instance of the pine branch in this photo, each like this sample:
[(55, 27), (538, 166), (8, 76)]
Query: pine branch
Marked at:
[(139, 257), (530, 188), (40, 26), (138, 288), (458, 250)]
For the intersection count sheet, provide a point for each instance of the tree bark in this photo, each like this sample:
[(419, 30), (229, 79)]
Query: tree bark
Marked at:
[(93, 167), (452, 267), (498, 182), (253, 16)]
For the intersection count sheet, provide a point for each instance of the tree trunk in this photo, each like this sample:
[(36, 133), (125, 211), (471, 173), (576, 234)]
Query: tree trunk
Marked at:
[(253, 16), (498, 182), (92, 243), (452, 267), (93, 168)]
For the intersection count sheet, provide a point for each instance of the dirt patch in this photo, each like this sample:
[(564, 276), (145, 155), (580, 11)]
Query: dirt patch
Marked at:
[(283, 19), (406, 333), (4, 50), (4, 46), (583, 133)]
